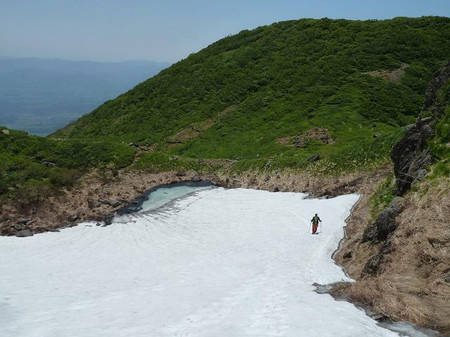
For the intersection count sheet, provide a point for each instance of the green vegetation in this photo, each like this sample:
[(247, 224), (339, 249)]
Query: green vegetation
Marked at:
[(440, 145), (253, 101), (244, 92), (382, 196), (161, 162), (32, 167)]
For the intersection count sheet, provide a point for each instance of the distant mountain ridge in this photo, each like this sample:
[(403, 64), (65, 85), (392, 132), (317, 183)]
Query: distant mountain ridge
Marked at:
[(42, 95)]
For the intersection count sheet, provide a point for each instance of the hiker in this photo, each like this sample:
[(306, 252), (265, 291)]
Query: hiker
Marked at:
[(315, 223)]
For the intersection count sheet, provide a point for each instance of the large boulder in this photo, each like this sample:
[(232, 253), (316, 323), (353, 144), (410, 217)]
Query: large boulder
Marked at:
[(385, 224), (411, 154), (410, 157), (24, 233)]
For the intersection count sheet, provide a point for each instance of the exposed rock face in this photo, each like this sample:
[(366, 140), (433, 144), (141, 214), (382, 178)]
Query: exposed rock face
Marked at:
[(400, 260), (430, 94), (374, 265), (411, 154), (385, 223), (393, 76)]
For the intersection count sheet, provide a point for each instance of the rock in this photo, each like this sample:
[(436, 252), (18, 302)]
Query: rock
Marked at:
[(411, 154), (379, 317), (276, 189), (19, 226), (348, 255), (73, 218), (373, 266), (409, 127), (93, 204), (23, 221), (108, 221), (316, 134), (426, 131), (112, 203), (439, 80), (115, 203), (385, 223), (24, 233), (314, 157), (447, 279), (420, 175), (370, 233), (52, 230), (376, 135), (5, 132), (180, 174), (48, 164), (196, 179)]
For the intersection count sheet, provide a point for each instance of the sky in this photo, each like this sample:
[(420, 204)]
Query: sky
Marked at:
[(165, 30)]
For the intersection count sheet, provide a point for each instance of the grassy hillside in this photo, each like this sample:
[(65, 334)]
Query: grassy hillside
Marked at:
[(248, 96), (33, 168), (267, 99)]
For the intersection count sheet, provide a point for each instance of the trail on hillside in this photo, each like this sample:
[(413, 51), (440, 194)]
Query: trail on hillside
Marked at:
[(217, 263)]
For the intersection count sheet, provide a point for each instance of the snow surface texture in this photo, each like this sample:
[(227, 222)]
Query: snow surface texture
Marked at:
[(219, 262)]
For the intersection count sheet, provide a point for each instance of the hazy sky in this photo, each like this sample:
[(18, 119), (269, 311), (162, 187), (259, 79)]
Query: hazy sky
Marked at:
[(165, 30)]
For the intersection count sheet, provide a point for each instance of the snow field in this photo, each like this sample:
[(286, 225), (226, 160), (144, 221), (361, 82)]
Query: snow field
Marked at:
[(217, 263)]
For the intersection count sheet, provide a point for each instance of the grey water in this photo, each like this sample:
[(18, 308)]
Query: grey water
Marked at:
[(164, 195)]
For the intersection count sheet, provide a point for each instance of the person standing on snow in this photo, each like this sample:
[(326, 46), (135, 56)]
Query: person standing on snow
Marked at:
[(315, 223)]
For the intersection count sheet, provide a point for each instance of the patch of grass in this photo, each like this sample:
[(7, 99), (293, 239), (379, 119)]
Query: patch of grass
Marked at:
[(32, 167), (440, 144), (156, 162), (382, 196)]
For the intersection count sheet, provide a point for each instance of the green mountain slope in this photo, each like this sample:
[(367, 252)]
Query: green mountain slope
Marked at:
[(248, 95), (33, 168)]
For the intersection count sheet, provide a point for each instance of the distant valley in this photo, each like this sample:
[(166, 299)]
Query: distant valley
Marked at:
[(42, 95)]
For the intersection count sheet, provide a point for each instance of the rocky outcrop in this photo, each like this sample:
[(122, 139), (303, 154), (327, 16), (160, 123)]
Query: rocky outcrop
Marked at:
[(436, 83), (374, 265), (401, 260), (392, 76), (385, 224), (411, 154)]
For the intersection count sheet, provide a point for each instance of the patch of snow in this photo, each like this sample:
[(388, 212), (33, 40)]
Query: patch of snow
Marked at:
[(218, 263)]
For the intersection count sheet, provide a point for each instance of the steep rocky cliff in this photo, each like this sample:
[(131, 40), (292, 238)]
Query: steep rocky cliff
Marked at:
[(411, 154), (401, 259)]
